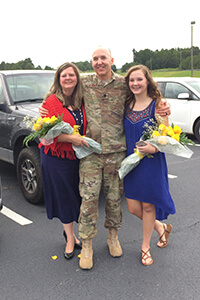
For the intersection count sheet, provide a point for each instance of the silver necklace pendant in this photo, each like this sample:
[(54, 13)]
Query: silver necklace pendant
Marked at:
[(77, 121)]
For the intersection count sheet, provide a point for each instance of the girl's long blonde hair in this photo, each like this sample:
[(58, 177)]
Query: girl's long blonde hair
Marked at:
[(76, 99)]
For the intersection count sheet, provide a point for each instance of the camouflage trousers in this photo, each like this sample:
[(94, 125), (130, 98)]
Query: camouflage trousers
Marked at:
[(96, 169)]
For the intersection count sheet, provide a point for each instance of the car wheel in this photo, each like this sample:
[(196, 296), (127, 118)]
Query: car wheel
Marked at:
[(197, 130), (29, 174)]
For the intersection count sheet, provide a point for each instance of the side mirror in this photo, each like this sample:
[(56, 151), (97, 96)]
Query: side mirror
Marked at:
[(183, 96)]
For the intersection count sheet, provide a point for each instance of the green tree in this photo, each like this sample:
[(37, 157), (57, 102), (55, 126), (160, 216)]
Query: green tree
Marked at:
[(84, 66), (127, 66), (165, 58), (48, 68), (114, 68), (197, 61), (2, 65), (143, 56), (186, 63), (38, 67)]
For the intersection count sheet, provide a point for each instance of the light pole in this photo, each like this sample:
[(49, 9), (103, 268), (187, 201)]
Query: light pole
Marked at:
[(192, 23)]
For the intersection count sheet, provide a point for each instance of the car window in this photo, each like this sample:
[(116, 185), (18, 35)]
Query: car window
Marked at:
[(25, 87), (195, 85), (2, 98), (174, 89), (161, 87)]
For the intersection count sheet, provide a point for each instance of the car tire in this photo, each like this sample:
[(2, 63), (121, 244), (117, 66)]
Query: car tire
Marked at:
[(197, 130), (29, 174)]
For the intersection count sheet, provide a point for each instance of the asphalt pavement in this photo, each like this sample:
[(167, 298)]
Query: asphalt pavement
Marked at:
[(33, 266)]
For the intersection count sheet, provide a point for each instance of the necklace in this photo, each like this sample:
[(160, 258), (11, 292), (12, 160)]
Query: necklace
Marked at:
[(76, 119)]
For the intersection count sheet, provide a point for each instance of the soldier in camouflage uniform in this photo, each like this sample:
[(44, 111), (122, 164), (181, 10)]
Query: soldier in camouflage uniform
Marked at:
[(104, 99)]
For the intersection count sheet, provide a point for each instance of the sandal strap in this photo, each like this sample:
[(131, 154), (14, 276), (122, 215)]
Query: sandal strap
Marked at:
[(160, 238), (146, 254)]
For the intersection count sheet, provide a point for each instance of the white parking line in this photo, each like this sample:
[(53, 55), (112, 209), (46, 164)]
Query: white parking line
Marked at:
[(172, 176), (15, 217)]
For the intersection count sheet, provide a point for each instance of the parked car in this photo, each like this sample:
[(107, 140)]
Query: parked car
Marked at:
[(21, 92), (1, 200), (183, 94)]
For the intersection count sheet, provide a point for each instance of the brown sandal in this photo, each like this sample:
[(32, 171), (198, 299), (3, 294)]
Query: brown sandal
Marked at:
[(166, 233), (146, 256)]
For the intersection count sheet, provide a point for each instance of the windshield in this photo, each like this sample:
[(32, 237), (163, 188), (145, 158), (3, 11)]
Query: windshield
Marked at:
[(29, 86), (195, 85)]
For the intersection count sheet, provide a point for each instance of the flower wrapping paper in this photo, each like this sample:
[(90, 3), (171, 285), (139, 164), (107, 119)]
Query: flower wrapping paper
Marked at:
[(55, 131), (81, 151), (164, 144)]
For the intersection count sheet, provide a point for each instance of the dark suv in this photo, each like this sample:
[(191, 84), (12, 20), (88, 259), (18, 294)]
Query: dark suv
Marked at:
[(21, 92)]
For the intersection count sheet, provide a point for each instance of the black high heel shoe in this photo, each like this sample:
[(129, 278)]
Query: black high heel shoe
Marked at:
[(71, 254), (77, 245)]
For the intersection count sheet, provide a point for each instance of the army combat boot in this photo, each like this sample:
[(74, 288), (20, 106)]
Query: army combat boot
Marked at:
[(86, 260), (113, 242)]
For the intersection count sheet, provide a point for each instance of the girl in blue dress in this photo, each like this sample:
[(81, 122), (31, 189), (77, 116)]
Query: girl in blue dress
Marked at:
[(146, 186)]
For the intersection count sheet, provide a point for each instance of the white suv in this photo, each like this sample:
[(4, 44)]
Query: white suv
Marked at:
[(183, 94)]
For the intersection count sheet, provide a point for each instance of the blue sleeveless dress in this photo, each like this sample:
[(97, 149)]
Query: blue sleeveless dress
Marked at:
[(148, 182)]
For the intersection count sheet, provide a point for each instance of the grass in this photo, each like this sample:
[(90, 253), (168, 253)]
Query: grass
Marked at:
[(173, 73)]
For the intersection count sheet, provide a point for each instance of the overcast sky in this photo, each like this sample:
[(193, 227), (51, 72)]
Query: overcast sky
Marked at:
[(53, 32)]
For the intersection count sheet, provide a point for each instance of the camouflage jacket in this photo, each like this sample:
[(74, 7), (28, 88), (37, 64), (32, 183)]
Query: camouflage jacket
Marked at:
[(104, 106)]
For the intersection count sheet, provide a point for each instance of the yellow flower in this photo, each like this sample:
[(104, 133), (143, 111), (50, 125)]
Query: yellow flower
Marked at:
[(54, 257), (41, 127), (168, 128), (176, 137), (162, 127), (76, 129), (53, 119), (162, 140), (140, 155), (37, 127), (46, 120), (170, 131), (40, 121), (164, 133), (177, 129), (155, 133)]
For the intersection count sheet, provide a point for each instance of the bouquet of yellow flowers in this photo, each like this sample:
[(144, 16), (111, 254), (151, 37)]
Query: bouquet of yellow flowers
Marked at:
[(167, 139), (47, 129)]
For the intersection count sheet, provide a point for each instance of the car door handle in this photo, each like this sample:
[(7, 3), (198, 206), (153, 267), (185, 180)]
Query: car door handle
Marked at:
[(11, 118)]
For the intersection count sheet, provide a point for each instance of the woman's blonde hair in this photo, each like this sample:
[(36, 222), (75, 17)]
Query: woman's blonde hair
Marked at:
[(152, 89), (76, 98)]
